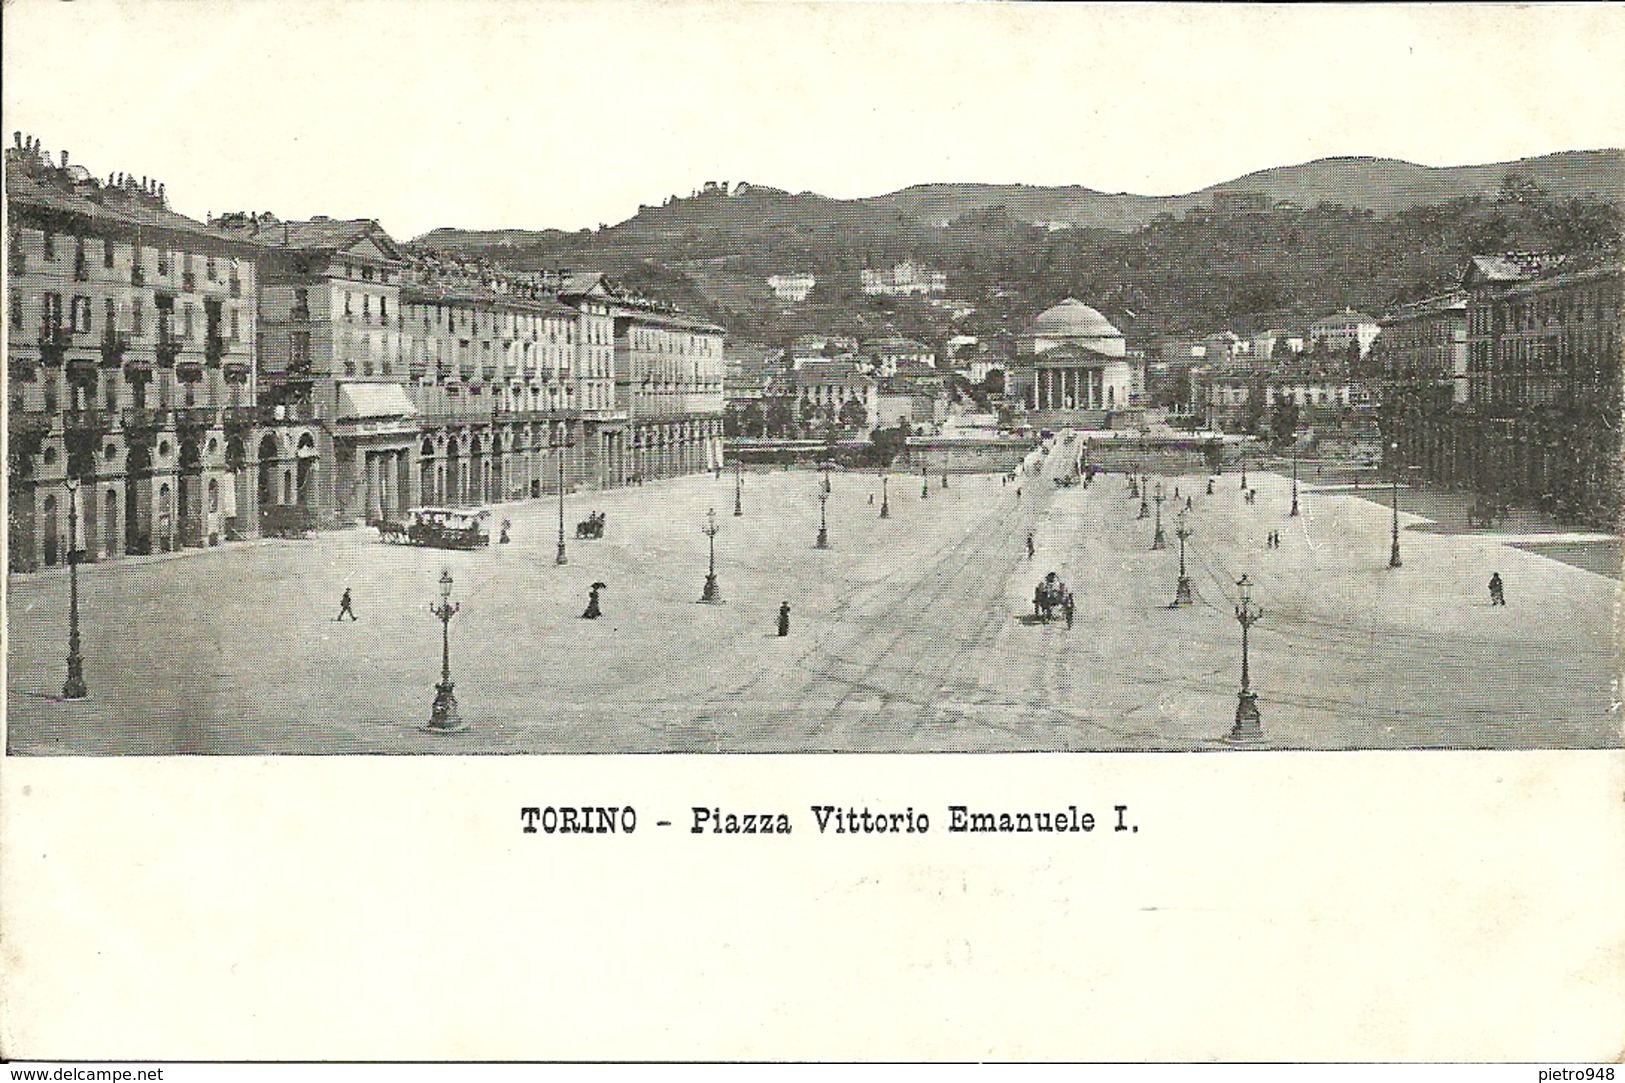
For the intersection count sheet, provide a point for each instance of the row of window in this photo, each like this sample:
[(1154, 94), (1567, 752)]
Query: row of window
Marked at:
[(46, 393), (79, 315), (21, 248)]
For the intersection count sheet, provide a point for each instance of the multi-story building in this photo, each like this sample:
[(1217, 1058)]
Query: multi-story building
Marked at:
[(493, 367), (836, 395), (1543, 407), (329, 355), (906, 279), (893, 351), (668, 381), (1417, 368), (792, 288), (130, 371), (1335, 333)]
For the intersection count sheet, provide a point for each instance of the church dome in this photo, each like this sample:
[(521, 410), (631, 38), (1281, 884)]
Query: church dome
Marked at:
[(1073, 319)]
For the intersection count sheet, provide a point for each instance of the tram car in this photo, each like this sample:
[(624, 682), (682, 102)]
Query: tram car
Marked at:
[(440, 528)]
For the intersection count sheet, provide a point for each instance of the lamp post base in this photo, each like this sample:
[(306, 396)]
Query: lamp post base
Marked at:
[(1182, 591), (885, 510), (823, 540), (75, 686), (1393, 557), (1248, 729), (443, 716), (561, 558), (1158, 541), (712, 594), (1294, 512)]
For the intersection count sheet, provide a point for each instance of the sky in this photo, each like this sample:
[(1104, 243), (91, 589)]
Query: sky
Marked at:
[(516, 113)]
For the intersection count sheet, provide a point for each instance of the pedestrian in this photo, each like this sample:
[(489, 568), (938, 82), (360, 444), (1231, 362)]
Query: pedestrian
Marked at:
[(1497, 590), (1209, 486), (784, 619), (871, 500), (592, 611), (1018, 494), (503, 538), (1030, 549), (1188, 504), (344, 605), (1176, 494)]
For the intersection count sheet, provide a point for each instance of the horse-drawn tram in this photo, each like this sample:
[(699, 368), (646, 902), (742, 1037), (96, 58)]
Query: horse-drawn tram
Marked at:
[(440, 528)]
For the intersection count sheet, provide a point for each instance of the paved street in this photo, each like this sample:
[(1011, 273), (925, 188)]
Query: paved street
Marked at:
[(909, 634)]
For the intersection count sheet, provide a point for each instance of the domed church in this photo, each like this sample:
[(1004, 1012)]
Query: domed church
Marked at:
[(1074, 368)]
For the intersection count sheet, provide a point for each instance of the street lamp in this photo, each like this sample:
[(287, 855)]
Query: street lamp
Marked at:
[(1158, 540), (925, 481), (560, 445), (1248, 728), (1393, 552), (823, 524), (1243, 469), (1182, 590), (1145, 494), (712, 594), (443, 717), (74, 688), (1294, 511), (885, 502), (739, 487), (945, 470)]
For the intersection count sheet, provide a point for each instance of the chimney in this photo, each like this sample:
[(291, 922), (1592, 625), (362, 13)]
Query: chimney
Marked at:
[(17, 140), (64, 159)]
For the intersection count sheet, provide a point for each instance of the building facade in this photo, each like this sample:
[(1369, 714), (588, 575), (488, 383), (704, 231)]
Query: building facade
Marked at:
[(906, 279), (1073, 368), (1540, 424), (668, 381), (130, 359)]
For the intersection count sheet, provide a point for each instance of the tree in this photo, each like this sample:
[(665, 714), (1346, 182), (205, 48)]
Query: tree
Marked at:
[(1284, 421), (854, 415)]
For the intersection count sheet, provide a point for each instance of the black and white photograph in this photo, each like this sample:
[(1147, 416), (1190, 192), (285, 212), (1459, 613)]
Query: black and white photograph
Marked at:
[(725, 385)]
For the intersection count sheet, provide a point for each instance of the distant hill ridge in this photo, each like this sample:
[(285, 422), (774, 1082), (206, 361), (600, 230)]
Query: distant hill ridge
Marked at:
[(1384, 185)]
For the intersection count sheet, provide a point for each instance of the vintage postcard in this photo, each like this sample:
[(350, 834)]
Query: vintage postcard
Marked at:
[(763, 531)]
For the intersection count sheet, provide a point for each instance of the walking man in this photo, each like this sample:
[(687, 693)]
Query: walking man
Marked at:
[(1030, 549), (784, 619), (592, 612), (344, 605), (1497, 594)]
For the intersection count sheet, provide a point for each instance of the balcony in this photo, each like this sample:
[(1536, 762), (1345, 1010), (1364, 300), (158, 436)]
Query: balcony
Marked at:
[(114, 345), (82, 371), (168, 348), (288, 413), (140, 419), (87, 421), (240, 417), (188, 370), (196, 417), (236, 369), (30, 423), (54, 341)]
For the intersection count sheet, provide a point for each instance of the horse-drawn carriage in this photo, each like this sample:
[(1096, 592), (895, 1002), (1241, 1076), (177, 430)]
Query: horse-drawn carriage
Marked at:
[(439, 528), (592, 527), (1052, 599)]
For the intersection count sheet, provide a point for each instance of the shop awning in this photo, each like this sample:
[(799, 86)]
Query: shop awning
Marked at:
[(374, 400)]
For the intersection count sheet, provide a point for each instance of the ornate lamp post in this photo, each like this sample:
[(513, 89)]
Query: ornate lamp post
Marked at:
[(1393, 552), (1294, 511), (827, 487), (74, 688), (560, 444), (823, 523), (739, 487), (1248, 728), (712, 594), (944, 469), (1243, 469), (1182, 590), (925, 481), (1145, 494), (443, 717), (1158, 539), (885, 501)]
